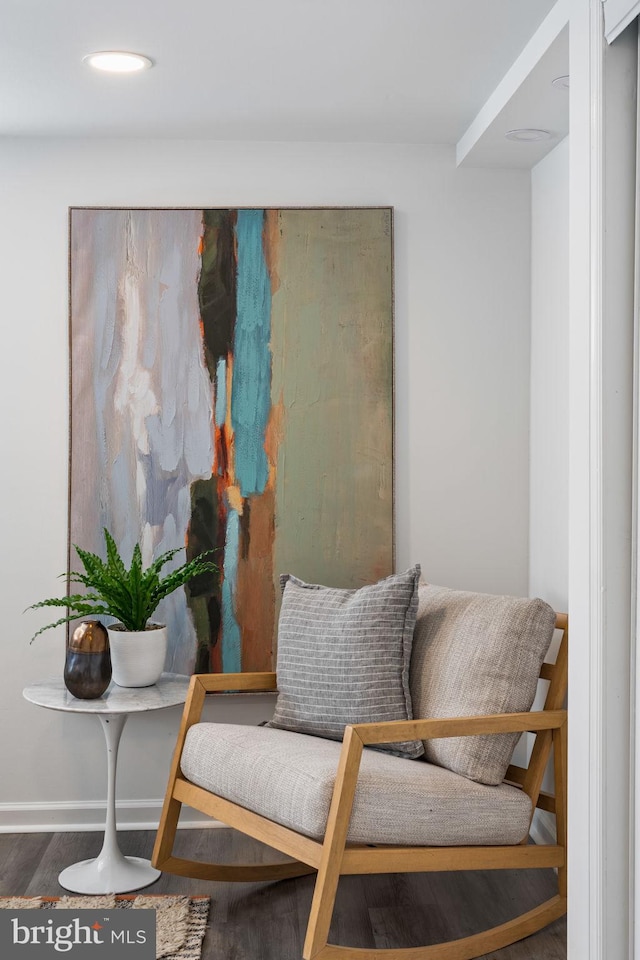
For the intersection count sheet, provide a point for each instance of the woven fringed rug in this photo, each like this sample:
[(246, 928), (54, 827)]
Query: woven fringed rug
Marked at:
[(180, 922)]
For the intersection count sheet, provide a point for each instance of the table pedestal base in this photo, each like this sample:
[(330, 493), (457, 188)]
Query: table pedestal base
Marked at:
[(107, 874), (110, 871)]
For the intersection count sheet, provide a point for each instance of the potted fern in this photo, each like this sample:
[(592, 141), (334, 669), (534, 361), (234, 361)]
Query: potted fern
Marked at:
[(130, 595)]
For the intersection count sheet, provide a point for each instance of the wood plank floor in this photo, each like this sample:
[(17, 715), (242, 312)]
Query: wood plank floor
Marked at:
[(267, 921)]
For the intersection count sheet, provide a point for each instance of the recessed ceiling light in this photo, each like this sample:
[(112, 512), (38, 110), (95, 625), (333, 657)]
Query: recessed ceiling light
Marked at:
[(561, 82), (528, 135), (117, 61)]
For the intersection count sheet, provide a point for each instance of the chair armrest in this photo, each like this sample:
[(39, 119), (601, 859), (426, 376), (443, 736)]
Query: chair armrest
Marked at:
[(203, 683), (395, 731), (224, 682)]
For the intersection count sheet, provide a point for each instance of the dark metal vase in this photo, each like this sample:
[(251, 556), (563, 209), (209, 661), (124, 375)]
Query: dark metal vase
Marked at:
[(87, 667)]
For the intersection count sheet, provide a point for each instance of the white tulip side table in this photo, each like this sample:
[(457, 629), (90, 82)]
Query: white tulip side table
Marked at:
[(110, 871)]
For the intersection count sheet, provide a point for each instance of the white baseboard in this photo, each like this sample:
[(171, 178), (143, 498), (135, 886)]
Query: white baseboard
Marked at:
[(64, 817), (543, 827)]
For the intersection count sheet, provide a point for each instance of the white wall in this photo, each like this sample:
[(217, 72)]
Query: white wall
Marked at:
[(549, 468), (549, 442), (462, 241)]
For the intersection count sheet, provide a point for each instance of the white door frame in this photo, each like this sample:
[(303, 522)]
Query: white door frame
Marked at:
[(600, 484)]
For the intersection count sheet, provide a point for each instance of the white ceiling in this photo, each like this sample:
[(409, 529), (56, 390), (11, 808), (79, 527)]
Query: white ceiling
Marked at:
[(414, 71)]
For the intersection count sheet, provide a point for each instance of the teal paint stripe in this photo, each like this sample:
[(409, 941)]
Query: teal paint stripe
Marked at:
[(231, 638), (221, 391), (251, 381)]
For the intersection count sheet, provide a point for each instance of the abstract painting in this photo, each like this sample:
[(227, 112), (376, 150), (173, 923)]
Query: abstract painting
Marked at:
[(232, 390)]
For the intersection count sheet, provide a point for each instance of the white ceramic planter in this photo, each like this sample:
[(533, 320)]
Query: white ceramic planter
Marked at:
[(137, 658)]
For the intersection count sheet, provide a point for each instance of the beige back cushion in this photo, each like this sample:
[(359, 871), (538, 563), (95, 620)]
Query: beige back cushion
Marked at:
[(475, 654)]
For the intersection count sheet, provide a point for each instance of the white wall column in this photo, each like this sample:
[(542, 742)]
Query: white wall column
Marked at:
[(602, 192)]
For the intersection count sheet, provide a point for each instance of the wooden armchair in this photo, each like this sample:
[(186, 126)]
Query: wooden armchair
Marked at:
[(334, 853)]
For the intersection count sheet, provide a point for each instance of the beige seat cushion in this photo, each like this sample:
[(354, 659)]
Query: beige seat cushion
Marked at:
[(289, 777), (476, 654)]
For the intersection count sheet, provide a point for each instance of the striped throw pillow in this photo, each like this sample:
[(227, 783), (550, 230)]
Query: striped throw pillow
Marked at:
[(344, 655)]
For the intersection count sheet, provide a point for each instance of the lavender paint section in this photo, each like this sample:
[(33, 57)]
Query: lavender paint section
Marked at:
[(251, 381), (149, 387), (231, 637)]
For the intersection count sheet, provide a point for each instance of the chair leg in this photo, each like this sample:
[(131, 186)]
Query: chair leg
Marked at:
[(166, 834), (171, 807), (335, 839), (324, 898), (560, 775)]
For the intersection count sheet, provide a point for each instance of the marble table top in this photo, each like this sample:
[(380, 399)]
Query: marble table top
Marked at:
[(171, 689)]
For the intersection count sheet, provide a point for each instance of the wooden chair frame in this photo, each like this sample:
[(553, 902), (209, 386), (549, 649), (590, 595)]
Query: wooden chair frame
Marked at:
[(333, 857)]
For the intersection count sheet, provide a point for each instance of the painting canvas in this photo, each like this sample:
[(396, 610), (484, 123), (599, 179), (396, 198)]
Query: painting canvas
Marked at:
[(231, 390)]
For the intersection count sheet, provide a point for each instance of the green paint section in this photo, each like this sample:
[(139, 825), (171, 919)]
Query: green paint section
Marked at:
[(332, 339)]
